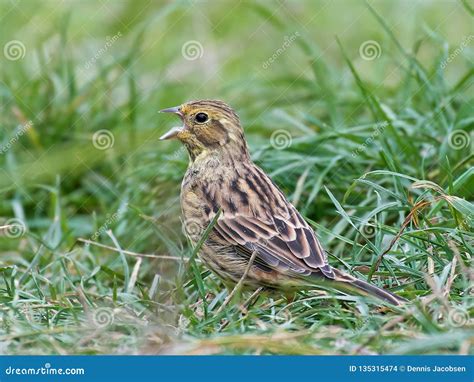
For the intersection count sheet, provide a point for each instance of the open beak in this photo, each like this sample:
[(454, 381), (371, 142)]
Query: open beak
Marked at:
[(174, 131)]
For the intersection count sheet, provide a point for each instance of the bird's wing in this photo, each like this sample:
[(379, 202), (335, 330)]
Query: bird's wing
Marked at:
[(266, 223)]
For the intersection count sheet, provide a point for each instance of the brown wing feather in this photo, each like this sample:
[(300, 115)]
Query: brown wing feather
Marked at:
[(273, 227)]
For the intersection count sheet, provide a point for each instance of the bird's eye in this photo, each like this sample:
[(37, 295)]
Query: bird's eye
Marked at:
[(201, 117)]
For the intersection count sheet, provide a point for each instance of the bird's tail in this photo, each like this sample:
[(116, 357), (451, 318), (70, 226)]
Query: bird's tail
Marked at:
[(348, 283)]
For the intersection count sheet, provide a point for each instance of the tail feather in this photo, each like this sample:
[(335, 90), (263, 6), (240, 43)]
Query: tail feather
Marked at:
[(353, 284)]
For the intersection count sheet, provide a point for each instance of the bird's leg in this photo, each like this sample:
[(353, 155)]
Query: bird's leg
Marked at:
[(244, 308), (250, 301)]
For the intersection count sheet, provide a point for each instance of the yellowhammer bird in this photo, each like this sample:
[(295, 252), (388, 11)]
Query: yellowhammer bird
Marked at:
[(256, 221)]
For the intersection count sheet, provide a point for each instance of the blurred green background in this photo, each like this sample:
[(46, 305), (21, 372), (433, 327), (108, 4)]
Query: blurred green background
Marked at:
[(350, 86)]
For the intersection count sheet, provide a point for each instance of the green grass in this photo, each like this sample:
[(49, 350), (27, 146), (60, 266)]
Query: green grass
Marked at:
[(377, 156)]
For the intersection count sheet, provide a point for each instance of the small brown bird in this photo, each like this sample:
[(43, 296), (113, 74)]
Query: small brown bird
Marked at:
[(256, 221)]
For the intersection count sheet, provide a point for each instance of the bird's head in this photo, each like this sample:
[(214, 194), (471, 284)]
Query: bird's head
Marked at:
[(209, 126)]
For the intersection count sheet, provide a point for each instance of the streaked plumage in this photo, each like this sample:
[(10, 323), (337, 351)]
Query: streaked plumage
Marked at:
[(255, 215)]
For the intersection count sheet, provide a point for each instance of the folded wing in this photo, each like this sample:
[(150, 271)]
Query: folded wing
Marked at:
[(279, 235)]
